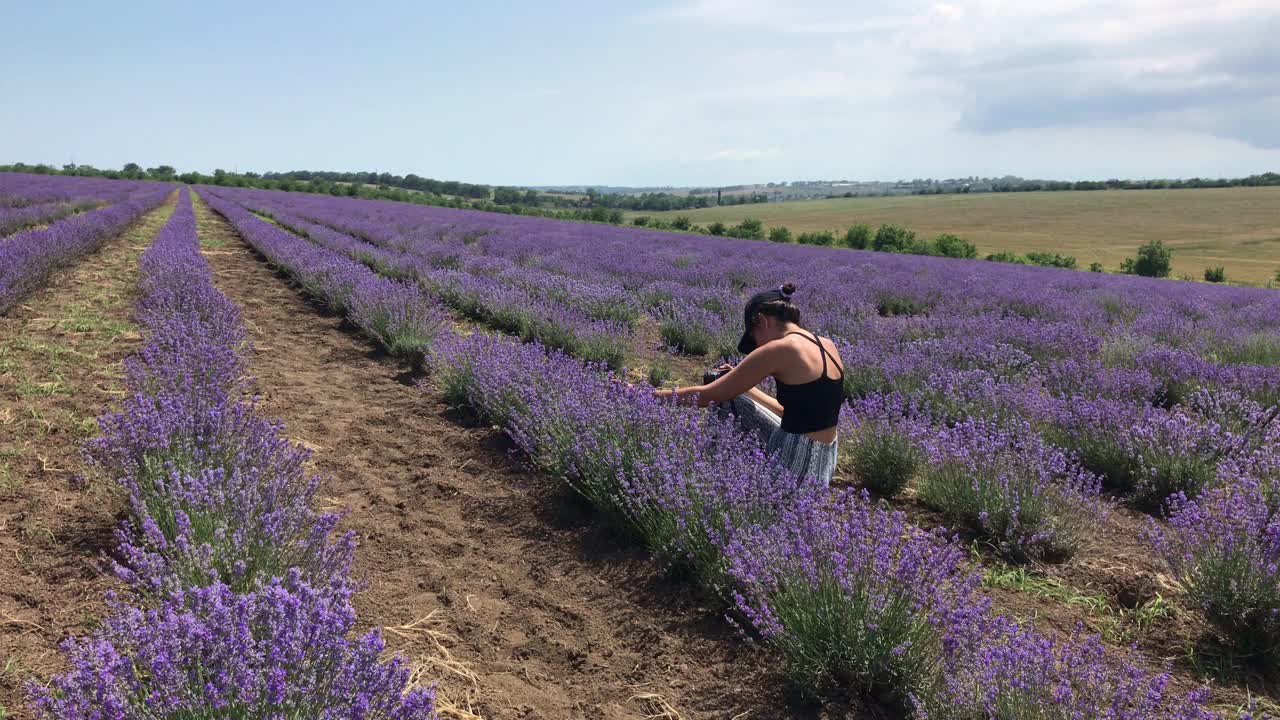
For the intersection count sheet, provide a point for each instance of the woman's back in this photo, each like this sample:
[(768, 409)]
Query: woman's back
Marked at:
[(811, 384)]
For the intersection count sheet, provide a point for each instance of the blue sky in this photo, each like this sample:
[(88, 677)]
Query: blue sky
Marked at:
[(698, 92)]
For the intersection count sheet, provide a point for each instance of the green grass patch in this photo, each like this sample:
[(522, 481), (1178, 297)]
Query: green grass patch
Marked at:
[(1115, 624), (83, 319), (8, 481)]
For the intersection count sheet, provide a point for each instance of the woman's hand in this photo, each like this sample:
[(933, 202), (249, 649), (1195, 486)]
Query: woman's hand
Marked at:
[(663, 394)]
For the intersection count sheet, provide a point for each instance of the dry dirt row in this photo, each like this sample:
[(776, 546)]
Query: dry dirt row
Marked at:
[(554, 617), (60, 365)]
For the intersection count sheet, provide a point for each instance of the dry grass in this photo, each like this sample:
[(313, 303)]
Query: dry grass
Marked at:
[(656, 707), (1238, 228), (436, 662)]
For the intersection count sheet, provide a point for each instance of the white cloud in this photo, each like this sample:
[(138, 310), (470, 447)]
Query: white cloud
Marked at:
[(994, 66)]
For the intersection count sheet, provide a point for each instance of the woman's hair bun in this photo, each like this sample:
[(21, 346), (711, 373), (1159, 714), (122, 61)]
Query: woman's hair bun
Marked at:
[(788, 288)]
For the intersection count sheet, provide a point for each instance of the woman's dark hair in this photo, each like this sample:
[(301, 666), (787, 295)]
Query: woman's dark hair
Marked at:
[(782, 308)]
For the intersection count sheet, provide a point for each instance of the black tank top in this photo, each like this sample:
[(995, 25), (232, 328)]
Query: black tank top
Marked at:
[(812, 406)]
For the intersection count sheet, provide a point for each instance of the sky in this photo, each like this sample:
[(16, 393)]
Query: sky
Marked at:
[(687, 92)]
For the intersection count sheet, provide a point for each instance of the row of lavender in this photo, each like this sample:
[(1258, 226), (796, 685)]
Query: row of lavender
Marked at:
[(849, 593), (28, 258), (239, 601), (1010, 407)]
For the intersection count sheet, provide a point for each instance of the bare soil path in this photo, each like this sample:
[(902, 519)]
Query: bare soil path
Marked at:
[(61, 354), (552, 617)]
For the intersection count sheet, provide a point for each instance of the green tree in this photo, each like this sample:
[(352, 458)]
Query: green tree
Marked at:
[(716, 228), (1052, 260), (1005, 256), (133, 171), (749, 228), (891, 238), (1215, 274), (954, 246), (1154, 260), (823, 238), (1095, 267), (682, 222), (162, 172), (858, 237), (780, 234)]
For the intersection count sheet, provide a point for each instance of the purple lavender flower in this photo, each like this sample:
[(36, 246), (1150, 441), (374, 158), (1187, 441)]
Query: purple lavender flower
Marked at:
[(279, 651), (1013, 671), (853, 596), (1029, 498)]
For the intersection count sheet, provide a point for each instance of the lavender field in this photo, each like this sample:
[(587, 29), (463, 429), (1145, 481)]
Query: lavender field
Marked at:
[(1023, 406), (1110, 442)]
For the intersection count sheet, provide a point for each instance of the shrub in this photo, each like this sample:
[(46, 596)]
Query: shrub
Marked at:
[(1147, 453), (660, 373), (209, 653), (1224, 550), (823, 238), (681, 479), (882, 459), (852, 596), (890, 304), (780, 234), (891, 238), (1045, 259), (682, 222), (1013, 671), (749, 229), (953, 246), (858, 237), (1095, 267), (398, 316), (716, 228), (1006, 483), (1153, 260), (640, 221), (214, 492), (1005, 256), (1215, 274), (689, 330)]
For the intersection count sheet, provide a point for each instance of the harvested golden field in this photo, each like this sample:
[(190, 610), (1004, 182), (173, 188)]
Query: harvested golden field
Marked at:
[(1238, 228)]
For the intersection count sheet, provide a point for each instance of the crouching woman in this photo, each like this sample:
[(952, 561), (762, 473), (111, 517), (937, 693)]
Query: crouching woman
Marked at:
[(799, 426)]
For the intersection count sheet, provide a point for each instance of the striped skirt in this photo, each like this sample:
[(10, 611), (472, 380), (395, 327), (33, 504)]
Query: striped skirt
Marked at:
[(802, 455)]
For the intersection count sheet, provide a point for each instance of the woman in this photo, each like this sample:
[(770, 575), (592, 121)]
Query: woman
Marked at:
[(800, 425)]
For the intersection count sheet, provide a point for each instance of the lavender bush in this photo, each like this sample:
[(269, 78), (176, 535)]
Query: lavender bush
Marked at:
[(215, 492), (280, 651), (1224, 548), (28, 258), (1016, 672), (1083, 358), (852, 596), (398, 316), (1005, 482), (879, 445), (681, 480)]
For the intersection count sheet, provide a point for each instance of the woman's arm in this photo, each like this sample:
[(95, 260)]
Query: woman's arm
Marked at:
[(750, 372), (765, 400)]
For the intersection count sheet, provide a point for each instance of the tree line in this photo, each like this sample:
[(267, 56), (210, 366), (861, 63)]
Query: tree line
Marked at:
[(385, 186), (1153, 259)]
